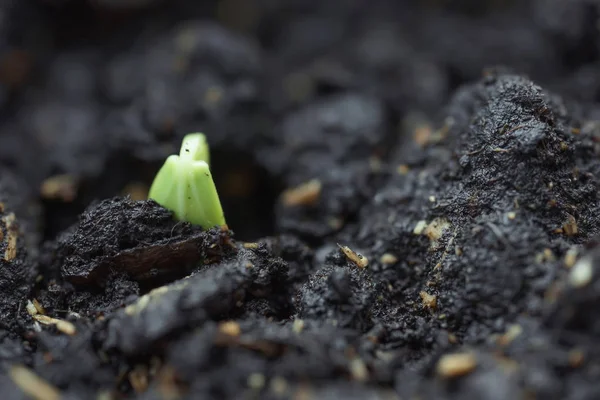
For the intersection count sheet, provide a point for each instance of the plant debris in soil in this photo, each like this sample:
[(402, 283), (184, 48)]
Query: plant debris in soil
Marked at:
[(412, 188)]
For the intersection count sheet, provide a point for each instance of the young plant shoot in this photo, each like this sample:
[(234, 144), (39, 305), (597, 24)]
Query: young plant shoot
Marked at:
[(185, 186)]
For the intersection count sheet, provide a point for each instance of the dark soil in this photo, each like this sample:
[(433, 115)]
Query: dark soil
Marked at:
[(412, 190)]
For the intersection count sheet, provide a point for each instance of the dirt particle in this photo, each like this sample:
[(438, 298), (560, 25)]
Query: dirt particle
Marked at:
[(576, 358), (456, 365), (59, 187), (251, 246), (298, 86), (359, 371), (335, 223), (1, 207), (422, 135), (298, 325), (358, 259), (32, 385), (402, 169), (388, 259), (429, 300), (107, 395), (213, 95), (511, 215), (279, 386), (256, 381), (375, 164), (432, 199), (581, 273), (230, 328), (306, 194)]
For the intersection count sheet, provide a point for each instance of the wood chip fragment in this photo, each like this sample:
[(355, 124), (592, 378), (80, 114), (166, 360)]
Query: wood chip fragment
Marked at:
[(251, 246), (436, 229), (335, 223), (31, 310), (213, 95), (581, 273), (545, 256), (571, 257), (402, 169), (570, 227), (279, 385), (59, 187), (511, 334), (388, 259), (420, 227), (306, 194), (429, 300), (63, 326), (9, 221), (298, 325), (256, 381), (358, 259), (105, 395), (138, 378), (10, 253), (32, 385), (452, 338), (38, 307), (375, 164), (359, 370), (422, 135), (230, 328), (168, 386), (11, 248), (456, 365)]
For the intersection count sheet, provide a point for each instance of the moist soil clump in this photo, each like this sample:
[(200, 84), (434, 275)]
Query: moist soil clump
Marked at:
[(411, 192)]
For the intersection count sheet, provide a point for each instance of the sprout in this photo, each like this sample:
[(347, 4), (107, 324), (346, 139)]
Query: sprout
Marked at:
[(184, 185)]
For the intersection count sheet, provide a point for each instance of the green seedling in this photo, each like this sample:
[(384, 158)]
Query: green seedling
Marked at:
[(185, 186)]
